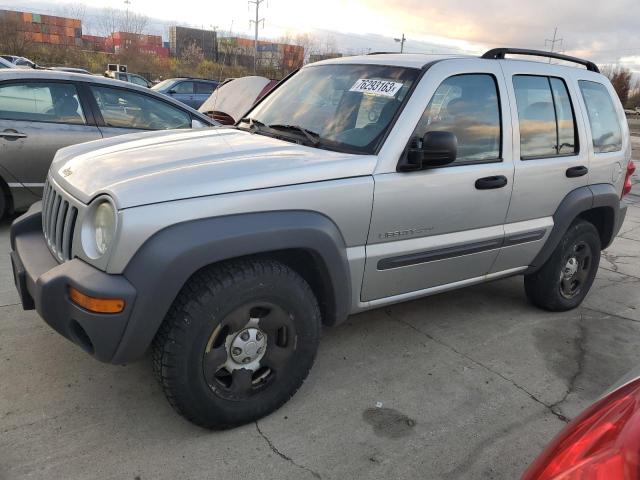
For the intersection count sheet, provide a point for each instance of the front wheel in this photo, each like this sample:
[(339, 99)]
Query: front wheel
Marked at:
[(565, 279), (237, 343)]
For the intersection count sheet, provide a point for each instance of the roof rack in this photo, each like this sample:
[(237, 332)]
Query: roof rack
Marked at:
[(499, 54), (382, 53)]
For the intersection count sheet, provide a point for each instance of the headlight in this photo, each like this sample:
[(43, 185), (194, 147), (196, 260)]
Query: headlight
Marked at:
[(104, 224), (99, 228)]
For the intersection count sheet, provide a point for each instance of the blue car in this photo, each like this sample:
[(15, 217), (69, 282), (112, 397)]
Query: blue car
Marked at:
[(190, 91)]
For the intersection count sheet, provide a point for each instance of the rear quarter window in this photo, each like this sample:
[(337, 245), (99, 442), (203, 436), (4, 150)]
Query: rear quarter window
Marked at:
[(603, 118)]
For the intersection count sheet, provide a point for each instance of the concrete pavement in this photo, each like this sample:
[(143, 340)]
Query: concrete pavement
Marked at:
[(472, 384)]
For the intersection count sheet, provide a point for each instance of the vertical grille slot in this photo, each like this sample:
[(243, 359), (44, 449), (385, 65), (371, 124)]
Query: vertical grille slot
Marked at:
[(58, 222)]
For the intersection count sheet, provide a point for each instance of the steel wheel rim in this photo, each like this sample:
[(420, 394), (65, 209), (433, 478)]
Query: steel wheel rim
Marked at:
[(249, 350), (575, 269)]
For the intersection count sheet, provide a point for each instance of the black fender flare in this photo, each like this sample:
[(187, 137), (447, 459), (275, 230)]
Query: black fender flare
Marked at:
[(165, 262), (578, 202)]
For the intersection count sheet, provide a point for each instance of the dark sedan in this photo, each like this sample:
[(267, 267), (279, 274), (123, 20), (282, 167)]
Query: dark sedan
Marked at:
[(190, 91)]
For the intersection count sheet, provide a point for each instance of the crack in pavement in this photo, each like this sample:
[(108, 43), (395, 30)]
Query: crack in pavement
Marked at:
[(608, 314), (10, 304), (580, 357), (275, 450), (614, 259), (619, 273), (549, 407)]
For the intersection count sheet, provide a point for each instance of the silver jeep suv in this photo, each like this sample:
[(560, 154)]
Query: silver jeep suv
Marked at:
[(358, 182)]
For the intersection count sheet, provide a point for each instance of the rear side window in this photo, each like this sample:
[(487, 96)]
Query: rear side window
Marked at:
[(546, 118), (184, 88), (468, 106), (41, 102), (205, 88), (126, 109), (605, 126)]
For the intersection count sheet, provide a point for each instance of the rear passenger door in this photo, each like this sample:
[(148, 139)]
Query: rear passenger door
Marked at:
[(183, 92), (203, 90), (550, 156), (36, 119)]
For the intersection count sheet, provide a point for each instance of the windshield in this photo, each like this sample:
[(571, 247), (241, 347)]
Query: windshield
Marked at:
[(163, 84), (345, 107)]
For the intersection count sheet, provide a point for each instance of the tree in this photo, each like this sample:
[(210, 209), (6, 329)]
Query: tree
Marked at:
[(620, 78), (13, 41), (116, 20), (192, 55)]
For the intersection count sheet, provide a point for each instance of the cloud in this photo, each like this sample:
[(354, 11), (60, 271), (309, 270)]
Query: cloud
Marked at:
[(599, 29)]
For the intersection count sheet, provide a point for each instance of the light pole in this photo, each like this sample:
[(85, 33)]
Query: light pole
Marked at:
[(401, 41)]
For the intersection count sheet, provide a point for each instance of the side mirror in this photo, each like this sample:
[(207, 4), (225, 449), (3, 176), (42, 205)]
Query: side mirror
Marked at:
[(171, 92), (437, 149)]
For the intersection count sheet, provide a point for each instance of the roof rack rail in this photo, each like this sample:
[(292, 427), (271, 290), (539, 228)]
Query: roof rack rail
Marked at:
[(382, 53), (499, 54)]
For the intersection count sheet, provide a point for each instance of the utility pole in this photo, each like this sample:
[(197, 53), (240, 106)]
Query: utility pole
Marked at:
[(401, 41), (127, 3), (257, 21), (552, 42)]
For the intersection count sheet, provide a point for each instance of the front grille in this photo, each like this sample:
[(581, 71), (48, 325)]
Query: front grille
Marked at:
[(58, 222)]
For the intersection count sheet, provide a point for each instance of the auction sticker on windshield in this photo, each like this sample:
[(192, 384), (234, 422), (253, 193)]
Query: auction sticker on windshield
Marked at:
[(386, 88)]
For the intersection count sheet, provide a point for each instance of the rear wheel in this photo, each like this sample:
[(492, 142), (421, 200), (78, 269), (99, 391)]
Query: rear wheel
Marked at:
[(238, 342), (565, 279)]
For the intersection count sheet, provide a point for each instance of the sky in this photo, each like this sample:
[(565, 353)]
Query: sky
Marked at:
[(603, 31)]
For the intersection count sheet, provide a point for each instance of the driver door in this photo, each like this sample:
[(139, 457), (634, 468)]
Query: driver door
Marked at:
[(444, 225)]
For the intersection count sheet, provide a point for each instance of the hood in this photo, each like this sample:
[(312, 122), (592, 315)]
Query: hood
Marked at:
[(153, 167), (236, 97)]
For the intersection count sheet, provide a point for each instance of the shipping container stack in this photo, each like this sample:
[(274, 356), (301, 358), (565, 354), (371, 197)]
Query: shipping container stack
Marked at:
[(46, 29), (118, 42)]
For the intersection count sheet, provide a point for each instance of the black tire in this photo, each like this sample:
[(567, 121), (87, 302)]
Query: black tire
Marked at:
[(555, 287), (203, 326)]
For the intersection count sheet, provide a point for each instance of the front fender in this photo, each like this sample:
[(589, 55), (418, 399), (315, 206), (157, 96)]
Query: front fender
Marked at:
[(170, 257)]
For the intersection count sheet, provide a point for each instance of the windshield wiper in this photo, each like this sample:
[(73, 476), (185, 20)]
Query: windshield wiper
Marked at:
[(254, 125), (312, 136)]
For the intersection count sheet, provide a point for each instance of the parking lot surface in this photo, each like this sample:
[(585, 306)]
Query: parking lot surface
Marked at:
[(467, 384)]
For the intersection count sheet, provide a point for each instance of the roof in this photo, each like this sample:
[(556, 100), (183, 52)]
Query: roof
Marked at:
[(411, 60), (418, 60)]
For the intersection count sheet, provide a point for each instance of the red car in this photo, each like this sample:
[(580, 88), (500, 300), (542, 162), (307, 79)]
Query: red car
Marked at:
[(602, 443)]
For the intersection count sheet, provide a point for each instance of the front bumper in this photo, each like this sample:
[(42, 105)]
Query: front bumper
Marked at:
[(43, 284)]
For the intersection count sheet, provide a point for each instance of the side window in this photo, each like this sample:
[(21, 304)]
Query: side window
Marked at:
[(125, 109), (184, 88), (205, 88), (138, 80), (605, 126), (41, 102), (468, 106), (545, 114)]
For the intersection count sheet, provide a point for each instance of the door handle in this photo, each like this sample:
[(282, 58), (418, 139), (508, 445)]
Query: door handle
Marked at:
[(579, 171), (488, 183), (12, 134)]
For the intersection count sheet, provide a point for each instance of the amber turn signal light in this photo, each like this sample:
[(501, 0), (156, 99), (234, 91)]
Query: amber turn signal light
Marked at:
[(96, 305)]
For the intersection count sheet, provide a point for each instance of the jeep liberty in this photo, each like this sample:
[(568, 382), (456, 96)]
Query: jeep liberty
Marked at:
[(356, 183)]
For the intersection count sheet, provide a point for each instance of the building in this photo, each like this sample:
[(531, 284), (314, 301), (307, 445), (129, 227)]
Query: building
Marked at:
[(182, 37), (44, 29), (121, 42)]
